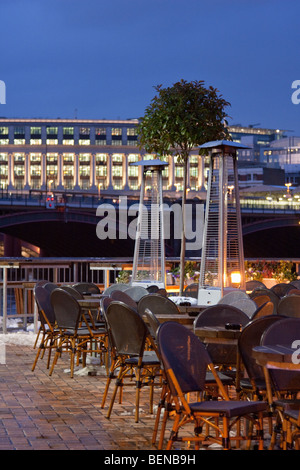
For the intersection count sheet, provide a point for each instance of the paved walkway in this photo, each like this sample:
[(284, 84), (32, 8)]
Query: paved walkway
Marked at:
[(38, 412), (42, 413)]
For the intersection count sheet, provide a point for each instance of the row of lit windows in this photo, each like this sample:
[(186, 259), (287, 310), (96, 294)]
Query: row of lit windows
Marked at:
[(69, 131)]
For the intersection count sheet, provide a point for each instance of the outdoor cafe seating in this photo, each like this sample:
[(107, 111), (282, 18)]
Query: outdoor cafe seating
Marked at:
[(72, 338), (128, 336), (142, 339), (283, 381), (185, 360)]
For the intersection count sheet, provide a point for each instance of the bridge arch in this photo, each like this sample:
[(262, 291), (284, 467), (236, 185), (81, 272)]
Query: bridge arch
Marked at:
[(64, 233)]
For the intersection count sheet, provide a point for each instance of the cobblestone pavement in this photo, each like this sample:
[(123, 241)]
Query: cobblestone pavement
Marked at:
[(63, 413), (39, 412)]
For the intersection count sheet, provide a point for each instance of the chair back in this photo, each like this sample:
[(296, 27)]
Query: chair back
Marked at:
[(250, 337), (289, 306), (152, 289), (157, 304), (42, 298), (219, 315), (251, 285), (152, 321), (116, 286), (122, 296), (86, 288), (74, 292), (128, 330), (191, 291), (295, 284), (233, 296), (50, 286), (281, 289), (67, 310), (284, 332), (247, 306), (264, 310), (183, 353), (136, 292)]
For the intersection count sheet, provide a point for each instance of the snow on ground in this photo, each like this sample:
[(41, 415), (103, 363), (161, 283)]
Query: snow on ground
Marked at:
[(16, 335)]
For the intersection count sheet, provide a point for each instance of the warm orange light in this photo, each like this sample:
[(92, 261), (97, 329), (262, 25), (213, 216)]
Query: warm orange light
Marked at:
[(235, 277)]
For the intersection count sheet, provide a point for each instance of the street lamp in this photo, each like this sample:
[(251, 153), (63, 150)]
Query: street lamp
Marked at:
[(222, 260)]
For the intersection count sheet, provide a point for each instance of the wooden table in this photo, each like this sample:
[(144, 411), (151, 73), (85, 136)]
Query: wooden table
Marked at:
[(275, 353), (217, 334), (183, 319), (278, 356)]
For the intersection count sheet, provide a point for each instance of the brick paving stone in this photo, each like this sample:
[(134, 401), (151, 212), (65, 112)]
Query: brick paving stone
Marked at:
[(40, 412)]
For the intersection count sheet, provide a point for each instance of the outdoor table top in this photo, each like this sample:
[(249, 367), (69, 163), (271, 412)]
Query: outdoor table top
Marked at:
[(273, 353), (218, 333), (89, 302), (180, 318)]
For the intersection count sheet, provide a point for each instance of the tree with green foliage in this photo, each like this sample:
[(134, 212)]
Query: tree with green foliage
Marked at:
[(178, 119)]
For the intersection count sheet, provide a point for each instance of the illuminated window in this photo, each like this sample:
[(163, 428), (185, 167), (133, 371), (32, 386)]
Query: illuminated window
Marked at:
[(84, 157), (101, 158), (19, 141), (19, 157), (68, 131), (117, 171), (35, 157), (84, 170), (68, 157), (133, 157), (84, 131), (100, 131), (52, 170), (35, 170), (51, 141), (35, 141), (117, 158), (68, 170), (3, 157), (52, 130), (116, 131), (84, 142), (4, 141), (101, 171), (68, 142), (52, 157), (3, 131), (35, 131)]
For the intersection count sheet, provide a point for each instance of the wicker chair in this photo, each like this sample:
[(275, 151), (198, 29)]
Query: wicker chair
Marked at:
[(185, 362), (72, 338), (47, 324), (129, 334)]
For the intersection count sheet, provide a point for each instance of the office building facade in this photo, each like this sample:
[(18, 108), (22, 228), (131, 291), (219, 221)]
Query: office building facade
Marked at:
[(94, 156)]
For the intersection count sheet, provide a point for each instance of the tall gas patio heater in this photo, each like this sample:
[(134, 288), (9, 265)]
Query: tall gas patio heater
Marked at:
[(222, 260), (149, 252)]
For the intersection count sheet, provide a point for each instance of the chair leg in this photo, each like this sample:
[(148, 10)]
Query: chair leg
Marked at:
[(108, 382), (117, 385)]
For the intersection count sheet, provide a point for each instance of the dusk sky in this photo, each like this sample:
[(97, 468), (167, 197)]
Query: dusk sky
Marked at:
[(101, 58)]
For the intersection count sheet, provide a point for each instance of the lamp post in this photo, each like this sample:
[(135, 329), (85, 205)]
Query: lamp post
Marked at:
[(222, 259), (149, 252)]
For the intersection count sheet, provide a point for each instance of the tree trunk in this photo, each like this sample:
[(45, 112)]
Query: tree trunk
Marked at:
[(183, 241)]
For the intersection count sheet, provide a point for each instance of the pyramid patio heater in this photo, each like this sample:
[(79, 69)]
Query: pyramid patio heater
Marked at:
[(149, 252), (222, 260)]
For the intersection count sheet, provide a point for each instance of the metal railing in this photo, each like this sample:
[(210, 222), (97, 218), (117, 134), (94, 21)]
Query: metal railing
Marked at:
[(18, 277)]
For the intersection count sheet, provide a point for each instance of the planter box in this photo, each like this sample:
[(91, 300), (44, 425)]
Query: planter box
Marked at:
[(269, 282)]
